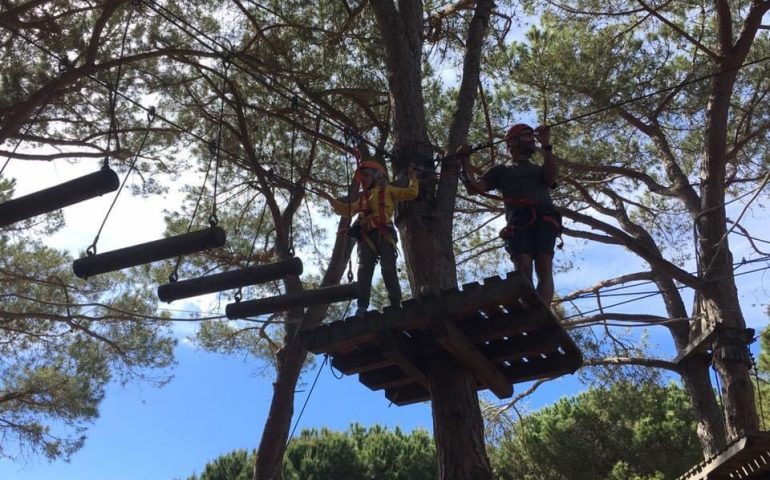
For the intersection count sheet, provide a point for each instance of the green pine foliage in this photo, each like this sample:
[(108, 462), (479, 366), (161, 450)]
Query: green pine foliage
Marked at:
[(620, 432), (62, 340), (360, 453), (625, 431)]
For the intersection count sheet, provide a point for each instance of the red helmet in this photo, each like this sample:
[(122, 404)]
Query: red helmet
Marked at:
[(373, 165), (516, 130)]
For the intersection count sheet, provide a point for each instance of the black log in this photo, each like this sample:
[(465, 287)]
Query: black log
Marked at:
[(60, 196), (305, 298), (229, 280), (149, 252)]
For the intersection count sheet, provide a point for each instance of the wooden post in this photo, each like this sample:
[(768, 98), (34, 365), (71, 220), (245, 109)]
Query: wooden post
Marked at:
[(229, 280), (305, 298), (60, 196), (149, 252)]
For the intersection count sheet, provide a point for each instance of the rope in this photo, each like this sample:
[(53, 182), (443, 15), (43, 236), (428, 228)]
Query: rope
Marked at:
[(174, 276), (239, 294), (294, 106), (213, 220), (307, 399), (113, 96), (91, 250)]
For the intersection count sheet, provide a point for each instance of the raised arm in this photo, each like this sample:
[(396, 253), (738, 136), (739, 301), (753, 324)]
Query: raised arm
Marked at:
[(402, 194), (472, 186), (550, 169), (344, 206)]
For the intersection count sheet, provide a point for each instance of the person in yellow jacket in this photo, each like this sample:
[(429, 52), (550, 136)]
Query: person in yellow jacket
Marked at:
[(374, 228)]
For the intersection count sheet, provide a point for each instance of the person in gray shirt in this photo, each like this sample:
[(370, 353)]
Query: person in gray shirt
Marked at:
[(532, 222)]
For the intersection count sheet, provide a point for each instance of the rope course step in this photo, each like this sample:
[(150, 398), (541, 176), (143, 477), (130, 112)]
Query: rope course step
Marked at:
[(499, 330), (219, 282), (63, 195), (305, 298), (149, 252), (746, 457)]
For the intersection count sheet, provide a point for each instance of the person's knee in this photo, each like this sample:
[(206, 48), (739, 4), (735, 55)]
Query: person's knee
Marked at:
[(523, 264), (544, 267)]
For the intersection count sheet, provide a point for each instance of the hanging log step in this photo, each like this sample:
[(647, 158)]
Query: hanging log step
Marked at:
[(60, 196), (149, 252), (498, 330), (747, 457), (305, 298), (229, 280)]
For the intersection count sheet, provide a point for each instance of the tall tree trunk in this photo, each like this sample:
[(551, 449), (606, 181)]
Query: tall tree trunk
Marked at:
[(457, 422), (718, 294), (694, 372), (272, 445), (425, 224), (289, 361)]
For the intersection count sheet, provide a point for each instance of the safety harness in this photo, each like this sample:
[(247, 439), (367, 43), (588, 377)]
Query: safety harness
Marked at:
[(380, 220), (535, 208)]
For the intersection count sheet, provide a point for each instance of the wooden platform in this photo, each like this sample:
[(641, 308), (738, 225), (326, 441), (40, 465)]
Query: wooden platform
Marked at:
[(747, 457), (499, 330)]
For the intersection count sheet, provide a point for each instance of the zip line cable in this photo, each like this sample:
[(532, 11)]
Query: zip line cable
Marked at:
[(198, 33), (647, 282), (678, 287), (176, 20), (619, 104)]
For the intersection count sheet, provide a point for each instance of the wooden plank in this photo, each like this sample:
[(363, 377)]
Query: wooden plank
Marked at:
[(507, 326), (365, 358), (304, 298), (407, 395), (540, 368), (418, 314), (361, 361), (453, 339), (392, 376), (393, 349), (699, 344), (535, 343)]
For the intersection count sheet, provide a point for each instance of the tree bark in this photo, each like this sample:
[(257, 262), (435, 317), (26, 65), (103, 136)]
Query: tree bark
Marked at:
[(718, 295), (289, 361), (272, 445), (457, 422), (425, 224), (694, 372)]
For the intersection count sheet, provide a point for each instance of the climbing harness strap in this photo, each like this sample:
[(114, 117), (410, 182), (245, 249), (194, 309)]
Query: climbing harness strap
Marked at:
[(547, 214)]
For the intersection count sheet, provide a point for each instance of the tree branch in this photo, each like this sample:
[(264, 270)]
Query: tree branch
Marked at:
[(656, 261), (623, 279), (642, 362), (678, 29)]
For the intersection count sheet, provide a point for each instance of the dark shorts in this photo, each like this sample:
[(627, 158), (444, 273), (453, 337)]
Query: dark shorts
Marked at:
[(535, 239)]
